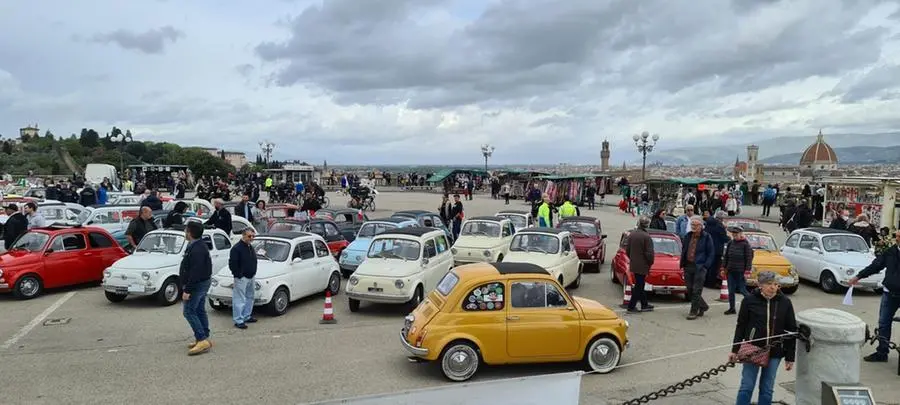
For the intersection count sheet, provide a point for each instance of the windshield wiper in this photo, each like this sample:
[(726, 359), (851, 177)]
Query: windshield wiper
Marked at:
[(140, 250)]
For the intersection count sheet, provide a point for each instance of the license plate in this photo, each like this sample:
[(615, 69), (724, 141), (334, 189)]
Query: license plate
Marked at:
[(787, 280), (136, 288), (376, 289), (664, 292)]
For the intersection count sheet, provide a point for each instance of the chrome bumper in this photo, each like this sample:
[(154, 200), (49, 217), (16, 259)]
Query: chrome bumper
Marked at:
[(379, 298), (415, 351)]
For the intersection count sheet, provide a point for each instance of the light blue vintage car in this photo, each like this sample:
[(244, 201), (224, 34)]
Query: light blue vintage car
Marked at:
[(354, 254)]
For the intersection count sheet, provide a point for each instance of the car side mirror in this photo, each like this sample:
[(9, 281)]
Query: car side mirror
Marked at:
[(48, 251), (296, 260), (603, 236)]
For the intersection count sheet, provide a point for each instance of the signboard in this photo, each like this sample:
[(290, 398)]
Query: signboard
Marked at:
[(556, 389), (846, 395)]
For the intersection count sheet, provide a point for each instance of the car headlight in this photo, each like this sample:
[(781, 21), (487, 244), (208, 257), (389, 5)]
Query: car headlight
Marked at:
[(214, 282), (851, 272), (487, 253), (107, 273), (354, 280), (258, 285), (344, 254), (1, 272), (399, 284), (453, 250), (358, 258), (145, 275)]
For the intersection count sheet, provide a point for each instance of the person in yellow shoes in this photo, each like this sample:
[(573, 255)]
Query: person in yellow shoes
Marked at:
[(545, 213), (568, 209), (194, 275)]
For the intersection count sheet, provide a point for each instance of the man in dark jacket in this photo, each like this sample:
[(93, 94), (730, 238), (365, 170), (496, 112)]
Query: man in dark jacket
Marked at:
[(456, 216), (153, 201), (88, 196), (737, 260), (139, 227), (242, 263), (716, 230), (840, 220), (889, 261), (194, 275), (221, 218), (179, 189), (16, 225), (697, 253), (245, 208), (641, 255)]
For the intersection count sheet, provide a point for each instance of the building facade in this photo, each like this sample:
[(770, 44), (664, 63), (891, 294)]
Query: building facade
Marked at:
[(604, 156), (30, 131)]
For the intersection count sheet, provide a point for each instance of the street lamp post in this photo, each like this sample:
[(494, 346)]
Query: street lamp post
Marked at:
[(486, 151), (644, 146), (267, 147), (121, 140)]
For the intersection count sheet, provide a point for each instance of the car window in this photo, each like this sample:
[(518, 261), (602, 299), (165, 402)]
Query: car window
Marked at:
[(441, 244), (445, 286), (792, 241), (535, 242), (221, 242), (305, 250), (624, 242), (99, 241), (430, 249), (208, 241), (331, 230), (486, 297), (64, 243), (536, 294), (237, 227), (321, 249), (566, 245), (343, 218), (317, 228), (808, 242), (481, 228), (508, 229)]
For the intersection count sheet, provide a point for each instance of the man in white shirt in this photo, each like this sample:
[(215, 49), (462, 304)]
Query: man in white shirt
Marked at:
[(35, 219)]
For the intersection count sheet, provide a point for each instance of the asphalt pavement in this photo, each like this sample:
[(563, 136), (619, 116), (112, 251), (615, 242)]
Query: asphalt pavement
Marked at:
[(72, 346)]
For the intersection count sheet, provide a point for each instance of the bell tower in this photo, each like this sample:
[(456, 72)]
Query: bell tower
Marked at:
[(604, 156), (752, 161)]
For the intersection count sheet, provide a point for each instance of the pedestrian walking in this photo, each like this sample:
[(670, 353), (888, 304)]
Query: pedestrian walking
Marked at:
[(242, 263), (889, 261), (567, 209), (764, 313), (682, 223), (445, 210), (840, 220), (176, 216), (641, 255), (863, 228), (505, 190), (768, 200), (457, 214), (545, 212), (736, 261), (16, 225), (697, 253), (195, 274), (35, 218), (260, 216), (591, 195)]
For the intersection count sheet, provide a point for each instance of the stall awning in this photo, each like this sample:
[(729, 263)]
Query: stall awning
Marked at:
[(694, 181), (516, 172), (442, 174), (570, 176)]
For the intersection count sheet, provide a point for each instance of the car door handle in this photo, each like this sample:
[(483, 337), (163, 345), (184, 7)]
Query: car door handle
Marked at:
[(512, 318), (87, 254)]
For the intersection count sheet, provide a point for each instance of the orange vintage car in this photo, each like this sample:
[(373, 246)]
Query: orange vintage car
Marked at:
[(510, 313)]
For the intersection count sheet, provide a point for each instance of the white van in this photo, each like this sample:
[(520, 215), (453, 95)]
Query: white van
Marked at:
[(94, 173)]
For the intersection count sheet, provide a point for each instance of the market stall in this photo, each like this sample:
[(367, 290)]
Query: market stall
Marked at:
[(519, 180), (874, 196), (697, 184), (157, 176), (453, 181), (574, 186)]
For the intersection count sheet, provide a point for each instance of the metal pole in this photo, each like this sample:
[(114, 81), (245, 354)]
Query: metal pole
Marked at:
[(644, 166)]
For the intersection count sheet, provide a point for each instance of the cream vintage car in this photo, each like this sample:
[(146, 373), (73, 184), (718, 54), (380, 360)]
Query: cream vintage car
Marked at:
[(482, 239), (550, 248), (401, 266)]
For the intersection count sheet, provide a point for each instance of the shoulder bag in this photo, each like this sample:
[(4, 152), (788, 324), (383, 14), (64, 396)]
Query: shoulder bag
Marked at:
[(752, 354)]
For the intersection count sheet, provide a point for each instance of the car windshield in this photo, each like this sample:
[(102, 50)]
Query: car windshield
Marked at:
[(746, 224), (53, 213), (395, 248), (670, 226), (666, 246), (84, 215), (286, 227), (371, 229), (579, 228), (167, 243), (31, 241), (518, 220), (762, 242), (535, 242), (271, 249), (481, 228), (844, 243)]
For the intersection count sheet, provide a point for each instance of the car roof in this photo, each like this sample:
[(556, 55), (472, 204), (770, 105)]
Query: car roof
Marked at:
[(519, 268), (285, 235), (827, 231), (519, 212), (98, 206), (658, 232), (580, 219), (413, 212), (393, 220), (494, 270), (486, 218), (345, 211), (549, 231), (416, 231)]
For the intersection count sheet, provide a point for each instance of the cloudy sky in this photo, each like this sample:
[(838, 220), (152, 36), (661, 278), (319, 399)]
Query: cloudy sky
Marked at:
[(429, 81)]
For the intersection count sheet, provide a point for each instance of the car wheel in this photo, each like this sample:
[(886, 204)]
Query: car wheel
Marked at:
[(354, 304), (561, 280), (113, 297), (334, 283), (460, 361), (602, 355), (602, 259), (28, 287), (280, 302), (418, 297), (577, 282), (169, 293), (790, 290), (828, 283), (218, 307)]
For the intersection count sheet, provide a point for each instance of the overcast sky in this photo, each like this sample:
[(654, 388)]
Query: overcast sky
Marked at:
[(429, 81)]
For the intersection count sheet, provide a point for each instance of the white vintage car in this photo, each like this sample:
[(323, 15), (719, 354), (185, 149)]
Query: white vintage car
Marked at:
[(200, 207), (550, 248), (238, 224), (401, 266), (110, 217), (520, 219), (482, 239), (153, 268), (291, 265), (830, 257)]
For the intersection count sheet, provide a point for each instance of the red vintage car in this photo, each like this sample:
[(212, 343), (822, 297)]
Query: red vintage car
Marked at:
[(325, 228), (666, 275), (590, 243), (57, 256)]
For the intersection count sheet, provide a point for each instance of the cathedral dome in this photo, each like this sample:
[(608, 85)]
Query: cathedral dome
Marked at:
[(819, 155)]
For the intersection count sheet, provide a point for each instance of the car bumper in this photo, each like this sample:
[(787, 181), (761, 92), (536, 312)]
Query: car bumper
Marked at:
[(664, 289), (415, 351), (129, 289), (226, 300), (590, 261), (379, 298), (5, 288), (783, 281), (869, 284)]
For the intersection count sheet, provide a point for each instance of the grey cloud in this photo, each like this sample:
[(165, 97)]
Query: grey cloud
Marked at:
[(244, 69), (881, 82), (153, 41)]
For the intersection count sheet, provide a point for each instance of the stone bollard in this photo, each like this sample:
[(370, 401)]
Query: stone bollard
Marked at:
[(836, 339)]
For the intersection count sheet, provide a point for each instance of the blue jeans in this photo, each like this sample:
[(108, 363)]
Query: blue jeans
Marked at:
[(736, 284), (242, 300), (890, 302), (195, 311), (766, 382)]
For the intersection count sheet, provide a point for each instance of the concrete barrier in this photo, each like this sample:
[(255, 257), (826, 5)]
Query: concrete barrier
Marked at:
[(836, 338)]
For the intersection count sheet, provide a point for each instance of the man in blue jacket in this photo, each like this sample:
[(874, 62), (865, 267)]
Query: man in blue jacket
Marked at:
[(194, 275), (242, 263), (697, 252)]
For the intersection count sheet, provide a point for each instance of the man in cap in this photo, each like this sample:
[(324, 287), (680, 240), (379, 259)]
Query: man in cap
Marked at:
[(737, 260)]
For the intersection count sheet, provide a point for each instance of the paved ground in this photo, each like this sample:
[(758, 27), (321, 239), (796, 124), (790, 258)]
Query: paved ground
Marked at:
[(135, 351)]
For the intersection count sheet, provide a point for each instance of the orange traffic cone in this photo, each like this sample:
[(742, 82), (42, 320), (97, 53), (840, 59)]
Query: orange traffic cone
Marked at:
[(626, 298), (723, 291), (328, 312)]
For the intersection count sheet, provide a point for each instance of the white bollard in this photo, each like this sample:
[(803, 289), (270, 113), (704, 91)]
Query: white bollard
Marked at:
[(836, 339)]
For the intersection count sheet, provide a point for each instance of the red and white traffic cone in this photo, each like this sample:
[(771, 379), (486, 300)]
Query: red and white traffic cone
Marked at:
[(626, 297), (723, 291), (328, 312)]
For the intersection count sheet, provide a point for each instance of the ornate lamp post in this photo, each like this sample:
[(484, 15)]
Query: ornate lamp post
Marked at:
[(267, 147), (644, 146), (120, 139), (486, 151)]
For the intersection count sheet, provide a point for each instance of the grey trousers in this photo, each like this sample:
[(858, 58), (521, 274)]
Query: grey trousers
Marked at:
[(694, 278)]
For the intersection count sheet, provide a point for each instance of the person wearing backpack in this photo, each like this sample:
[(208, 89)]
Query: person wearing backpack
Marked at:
[(690, 198), (769, 195)]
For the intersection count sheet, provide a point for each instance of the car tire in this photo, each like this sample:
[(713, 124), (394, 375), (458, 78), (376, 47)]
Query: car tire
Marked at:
[(790, 290), (353, 304), (577, 282), (28, 287), (602, 355), (417, 298), (459, 361), (217, 307), (169, 293), (280, 302), (113, 297), (602, 259), (828, 283), (334, 284)]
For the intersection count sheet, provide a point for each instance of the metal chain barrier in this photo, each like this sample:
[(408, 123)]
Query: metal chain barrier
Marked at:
[(874, 338)]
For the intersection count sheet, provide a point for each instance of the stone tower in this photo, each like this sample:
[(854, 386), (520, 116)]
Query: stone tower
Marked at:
[(604, 156), (752, 162)]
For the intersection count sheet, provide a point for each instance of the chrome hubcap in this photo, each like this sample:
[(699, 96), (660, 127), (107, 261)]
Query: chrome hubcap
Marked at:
[(461, 362), (171, 292), (29, 287), (280, 302), (335, 283), (602, 356)]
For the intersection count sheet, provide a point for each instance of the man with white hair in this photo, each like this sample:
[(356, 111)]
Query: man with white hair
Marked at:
[(697, 253), (682, 224), (221, 218)]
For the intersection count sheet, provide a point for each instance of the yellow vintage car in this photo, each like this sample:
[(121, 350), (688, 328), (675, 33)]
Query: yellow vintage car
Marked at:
[(510, 313), (767, 257)]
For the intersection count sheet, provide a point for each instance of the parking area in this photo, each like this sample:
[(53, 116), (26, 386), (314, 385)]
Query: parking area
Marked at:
[(73, 346)]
